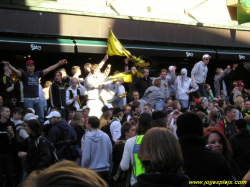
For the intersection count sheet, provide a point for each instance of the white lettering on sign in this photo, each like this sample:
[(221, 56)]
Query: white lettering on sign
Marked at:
[(34, 47), (189, 54), (242, 57)]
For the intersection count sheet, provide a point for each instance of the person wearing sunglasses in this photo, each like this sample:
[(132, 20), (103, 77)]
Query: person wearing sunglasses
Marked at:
[(210, 95), (199, 75)]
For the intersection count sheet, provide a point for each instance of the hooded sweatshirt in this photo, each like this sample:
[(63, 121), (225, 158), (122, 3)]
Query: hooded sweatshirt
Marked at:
[(183, 84), (96, 151), (153, 93), (219, 83)]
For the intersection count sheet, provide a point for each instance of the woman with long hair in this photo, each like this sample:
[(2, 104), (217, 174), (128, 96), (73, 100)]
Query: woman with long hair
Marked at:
[(162, 163), (213, 118), (239, 103), (78, 124), (216, 140), (210, 95), (202, 107), (37, 149)]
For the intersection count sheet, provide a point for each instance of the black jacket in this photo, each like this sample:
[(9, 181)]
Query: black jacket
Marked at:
[(17, 93), (7, 145), (142, 84), (79, 132), (229, 81), (38, 157), (117, 157), (162, 180), (201, 163), (62, 136), (58, 95), (201, 109), (240, 143)]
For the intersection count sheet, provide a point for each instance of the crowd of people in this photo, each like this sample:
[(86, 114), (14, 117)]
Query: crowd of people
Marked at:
[(171, 130)]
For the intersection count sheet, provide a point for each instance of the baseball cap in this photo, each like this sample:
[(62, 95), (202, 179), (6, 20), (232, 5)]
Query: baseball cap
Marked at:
[(29, 116), (107, 107), (29, 62), (240, 84), (215, 99), (116, 110), (206, 56), (85, 107), (53, 114)]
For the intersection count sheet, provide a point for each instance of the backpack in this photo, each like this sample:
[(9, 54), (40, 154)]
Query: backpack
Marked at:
[(72, 151), (106, 129), (52, 149)]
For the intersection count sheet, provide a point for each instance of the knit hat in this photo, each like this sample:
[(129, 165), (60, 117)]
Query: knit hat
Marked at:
[(188, 123), (145, 118), (158, 114)]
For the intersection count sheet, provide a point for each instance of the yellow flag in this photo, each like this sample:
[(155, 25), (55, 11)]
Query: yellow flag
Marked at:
[(116, 48)]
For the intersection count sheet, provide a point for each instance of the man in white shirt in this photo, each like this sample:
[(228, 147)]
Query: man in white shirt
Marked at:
[(74, 92)]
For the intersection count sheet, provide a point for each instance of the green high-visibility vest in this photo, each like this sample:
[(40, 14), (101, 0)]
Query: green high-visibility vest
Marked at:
[(137, 166)]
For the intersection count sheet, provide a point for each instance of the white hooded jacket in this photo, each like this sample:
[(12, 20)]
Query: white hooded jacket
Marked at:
[(183, 84)]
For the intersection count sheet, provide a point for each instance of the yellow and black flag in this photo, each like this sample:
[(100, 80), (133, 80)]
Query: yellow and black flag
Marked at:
[(126, 76), (116, 48)]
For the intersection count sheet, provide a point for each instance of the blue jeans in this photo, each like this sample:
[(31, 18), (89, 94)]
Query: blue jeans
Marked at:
[(159, 104), (118, 100), (184, 103), (37, 105)]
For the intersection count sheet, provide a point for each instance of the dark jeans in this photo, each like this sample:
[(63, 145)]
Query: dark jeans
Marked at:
[(105, 175), (6, 162), (201, 92)]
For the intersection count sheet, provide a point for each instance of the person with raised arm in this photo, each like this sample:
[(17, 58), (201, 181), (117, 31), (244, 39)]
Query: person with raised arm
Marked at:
[(31, 84)]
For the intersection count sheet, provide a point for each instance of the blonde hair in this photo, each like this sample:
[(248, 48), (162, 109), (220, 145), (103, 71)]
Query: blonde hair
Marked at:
[(87, 65), (47, 84), (77, 119), (60, 174), (238, 101), (218, 70)]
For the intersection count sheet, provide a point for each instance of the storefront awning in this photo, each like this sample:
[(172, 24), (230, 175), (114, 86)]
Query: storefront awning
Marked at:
[(36, 44), (90, 46), (233, 55)]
